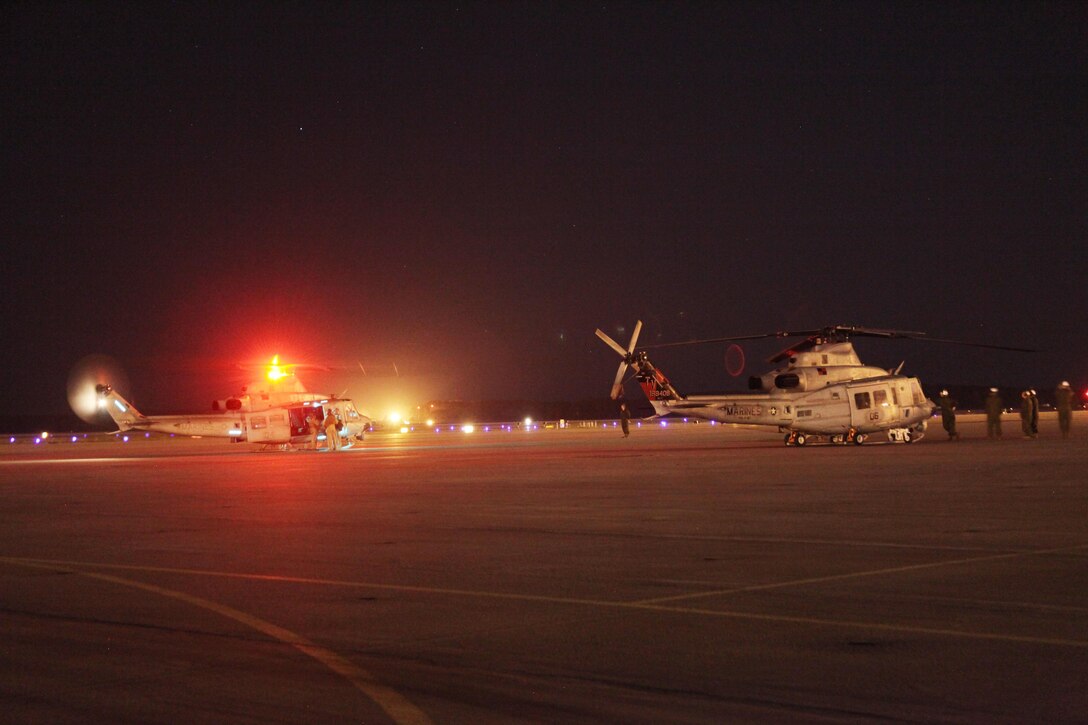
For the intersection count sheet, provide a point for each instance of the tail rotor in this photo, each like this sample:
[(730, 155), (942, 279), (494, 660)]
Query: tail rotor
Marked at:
[(628, 356)]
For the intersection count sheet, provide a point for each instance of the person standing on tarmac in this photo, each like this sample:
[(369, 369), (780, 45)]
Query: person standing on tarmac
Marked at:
[(625, 420), (1034, 414), (948, 416), (993, 415), (332, 438), (311, 423), (1063, 401), (1025, 414)]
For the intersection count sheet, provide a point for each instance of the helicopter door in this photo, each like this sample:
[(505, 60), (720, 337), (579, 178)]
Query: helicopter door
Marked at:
[(872, 407)]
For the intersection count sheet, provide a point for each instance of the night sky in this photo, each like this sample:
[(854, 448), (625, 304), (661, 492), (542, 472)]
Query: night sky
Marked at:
[(467, 191)]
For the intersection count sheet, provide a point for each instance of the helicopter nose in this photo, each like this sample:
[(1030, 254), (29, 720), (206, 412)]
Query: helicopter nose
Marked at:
[(102, 389)]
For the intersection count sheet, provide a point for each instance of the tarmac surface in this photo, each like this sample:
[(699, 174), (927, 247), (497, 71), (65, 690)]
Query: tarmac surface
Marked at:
[(690, 573)]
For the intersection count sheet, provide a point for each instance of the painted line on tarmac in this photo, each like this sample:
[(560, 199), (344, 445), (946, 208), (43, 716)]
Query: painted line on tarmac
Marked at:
[(590, 533), (34, 461), (645, 605), (389, 700), (859, 575)]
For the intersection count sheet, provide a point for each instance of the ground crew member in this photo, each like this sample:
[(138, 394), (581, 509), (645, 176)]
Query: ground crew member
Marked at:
[(1034, 414), (1025, 413), (625, 420), (311, 423), (993, 414), (332, 438), (948, 416), (1063, 401)]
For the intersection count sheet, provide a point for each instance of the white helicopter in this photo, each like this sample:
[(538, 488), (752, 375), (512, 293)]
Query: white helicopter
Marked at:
[(822, 389), (272, 410)]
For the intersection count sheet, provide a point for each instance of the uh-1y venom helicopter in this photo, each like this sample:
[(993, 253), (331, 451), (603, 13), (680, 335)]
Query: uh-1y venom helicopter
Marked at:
[(820, 388), (271, 410)]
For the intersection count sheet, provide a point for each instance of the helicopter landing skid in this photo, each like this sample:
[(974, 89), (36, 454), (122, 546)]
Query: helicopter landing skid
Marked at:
[(797, 438)]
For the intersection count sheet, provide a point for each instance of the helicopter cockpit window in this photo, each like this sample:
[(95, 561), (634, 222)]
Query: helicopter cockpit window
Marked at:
[(880, 397), (862, 401)]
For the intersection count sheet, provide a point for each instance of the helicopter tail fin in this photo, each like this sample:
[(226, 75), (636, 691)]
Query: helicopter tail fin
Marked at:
[(659, 391), (123, 413)]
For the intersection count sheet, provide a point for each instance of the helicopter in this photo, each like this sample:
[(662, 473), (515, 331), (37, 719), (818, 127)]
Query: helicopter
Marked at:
[(819, 388), (272, 411)]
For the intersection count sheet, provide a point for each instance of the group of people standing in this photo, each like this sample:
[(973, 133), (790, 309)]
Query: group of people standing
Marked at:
[(331, 427), (1029, 412)]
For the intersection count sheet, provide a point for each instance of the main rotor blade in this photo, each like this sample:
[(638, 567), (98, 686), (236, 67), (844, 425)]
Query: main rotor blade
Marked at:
[(912, 335), (721, 339), (978, 344), (846, 332), (612, 344)]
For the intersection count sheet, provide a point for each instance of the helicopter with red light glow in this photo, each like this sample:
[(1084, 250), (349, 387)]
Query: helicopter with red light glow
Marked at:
[(271, 410), (819, 389)]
